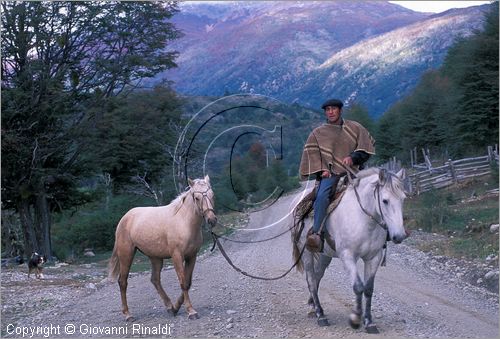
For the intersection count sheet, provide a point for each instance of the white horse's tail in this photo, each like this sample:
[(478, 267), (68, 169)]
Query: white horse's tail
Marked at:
[(300, 213), (296, 257)]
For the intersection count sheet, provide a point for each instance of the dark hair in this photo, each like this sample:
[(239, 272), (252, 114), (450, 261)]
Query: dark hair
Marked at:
[(332, 102)]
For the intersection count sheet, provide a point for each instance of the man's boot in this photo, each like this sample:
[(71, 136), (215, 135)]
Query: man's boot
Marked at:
[(314, 241)]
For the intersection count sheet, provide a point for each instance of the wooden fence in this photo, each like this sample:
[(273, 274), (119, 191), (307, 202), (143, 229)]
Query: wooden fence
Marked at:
[(451, 173)]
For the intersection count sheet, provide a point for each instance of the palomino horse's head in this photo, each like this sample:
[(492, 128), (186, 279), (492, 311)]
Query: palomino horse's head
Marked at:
[(391, 195), (203, 197)]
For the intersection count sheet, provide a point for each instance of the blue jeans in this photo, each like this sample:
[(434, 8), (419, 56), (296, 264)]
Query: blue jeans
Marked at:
[(327, 187)]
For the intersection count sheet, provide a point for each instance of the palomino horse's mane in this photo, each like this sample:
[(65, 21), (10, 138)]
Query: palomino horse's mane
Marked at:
[(177, 202), (391, 180)]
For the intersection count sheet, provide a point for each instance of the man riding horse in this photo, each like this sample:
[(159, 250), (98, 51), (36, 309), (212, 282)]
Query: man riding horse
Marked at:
[(329, 149)]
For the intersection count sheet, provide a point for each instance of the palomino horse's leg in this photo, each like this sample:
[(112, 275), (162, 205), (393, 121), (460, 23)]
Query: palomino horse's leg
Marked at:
[(313, 277), (188, 272), (358, 288), (371, 267), (125, 258), (184, 273), (156, 265)]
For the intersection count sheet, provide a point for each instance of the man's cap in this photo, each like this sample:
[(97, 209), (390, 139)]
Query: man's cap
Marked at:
[(332, 102)]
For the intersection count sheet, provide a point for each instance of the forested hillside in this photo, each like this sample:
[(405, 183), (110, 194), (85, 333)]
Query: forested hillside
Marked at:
[(453, 108), (68, 69)]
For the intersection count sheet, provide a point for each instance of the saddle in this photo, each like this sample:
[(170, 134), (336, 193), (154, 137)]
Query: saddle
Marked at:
[(305, 208)]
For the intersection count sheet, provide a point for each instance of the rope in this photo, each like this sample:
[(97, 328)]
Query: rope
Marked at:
[(239, 270)]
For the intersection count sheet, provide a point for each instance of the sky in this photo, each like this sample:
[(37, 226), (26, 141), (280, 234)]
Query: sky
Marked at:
[(437, 6)]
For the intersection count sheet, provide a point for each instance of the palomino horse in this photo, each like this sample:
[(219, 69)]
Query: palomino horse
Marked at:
[(172, 231), (369, 212)]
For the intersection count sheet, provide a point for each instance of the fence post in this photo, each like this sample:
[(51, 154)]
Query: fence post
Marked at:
[(490, 153), (408, 184), (417, 184), (452, 171), (427, 158)]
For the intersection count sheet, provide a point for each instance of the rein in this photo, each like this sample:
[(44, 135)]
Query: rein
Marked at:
[(382, 223)]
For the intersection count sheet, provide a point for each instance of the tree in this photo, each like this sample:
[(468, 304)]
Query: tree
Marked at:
[(455, 107), (61, 64), (476, 111), (388, 138), (130, 142), (359, 113)]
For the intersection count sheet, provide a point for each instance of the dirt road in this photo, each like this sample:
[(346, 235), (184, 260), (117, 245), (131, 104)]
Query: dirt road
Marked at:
[(413, 297)]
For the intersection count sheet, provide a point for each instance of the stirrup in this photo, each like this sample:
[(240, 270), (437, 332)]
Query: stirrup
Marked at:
[(315, 242)]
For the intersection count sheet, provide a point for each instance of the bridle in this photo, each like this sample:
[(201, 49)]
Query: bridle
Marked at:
[(381, 222), (376, 192), (204, 195)]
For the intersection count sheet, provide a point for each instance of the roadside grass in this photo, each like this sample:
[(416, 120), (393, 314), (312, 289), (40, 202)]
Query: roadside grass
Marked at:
[(463, 213)]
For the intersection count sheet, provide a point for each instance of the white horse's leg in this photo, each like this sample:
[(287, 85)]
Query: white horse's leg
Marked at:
[(371, 267), (315, 269), (358, 288)]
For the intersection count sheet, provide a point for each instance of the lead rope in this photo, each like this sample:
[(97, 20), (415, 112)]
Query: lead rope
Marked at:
[(215, 238)]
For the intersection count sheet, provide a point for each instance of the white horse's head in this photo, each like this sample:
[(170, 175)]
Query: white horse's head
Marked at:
[(391, 195), (203, 197)]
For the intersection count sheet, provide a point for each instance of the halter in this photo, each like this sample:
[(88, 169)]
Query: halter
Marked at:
[(381, 223), (204, 195)]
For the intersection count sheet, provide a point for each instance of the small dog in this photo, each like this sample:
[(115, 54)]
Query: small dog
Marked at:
[(36, 263)]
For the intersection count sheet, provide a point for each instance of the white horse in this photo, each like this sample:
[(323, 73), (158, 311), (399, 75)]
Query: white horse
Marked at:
[(369, 213)]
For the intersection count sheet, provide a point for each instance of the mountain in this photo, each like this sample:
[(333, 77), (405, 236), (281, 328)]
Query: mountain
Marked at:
[(370, 52)]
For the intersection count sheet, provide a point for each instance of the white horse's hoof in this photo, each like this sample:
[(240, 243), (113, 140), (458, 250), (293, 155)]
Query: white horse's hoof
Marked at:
[(354, 320), (372, 329), (323, 322)]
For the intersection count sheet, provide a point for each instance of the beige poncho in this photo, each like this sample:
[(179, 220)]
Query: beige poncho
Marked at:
[(328, 144)]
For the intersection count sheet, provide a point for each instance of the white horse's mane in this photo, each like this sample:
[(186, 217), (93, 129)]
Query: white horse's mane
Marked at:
[(391, 180), (367, 172)]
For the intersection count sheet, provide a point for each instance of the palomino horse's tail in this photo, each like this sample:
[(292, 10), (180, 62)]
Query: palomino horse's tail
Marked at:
[(113, 266)]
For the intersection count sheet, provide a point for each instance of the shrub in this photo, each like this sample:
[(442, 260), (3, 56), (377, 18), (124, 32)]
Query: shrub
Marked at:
[(434, 211), (91, 226)]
